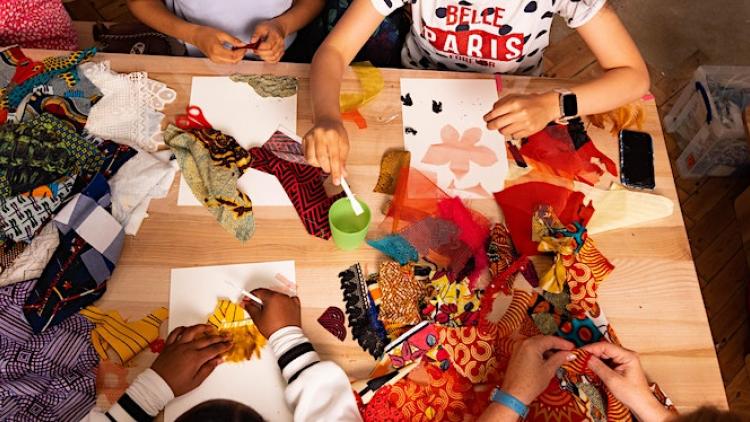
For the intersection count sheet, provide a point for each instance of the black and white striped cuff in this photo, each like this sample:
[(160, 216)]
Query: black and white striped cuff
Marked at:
[(293, 351)]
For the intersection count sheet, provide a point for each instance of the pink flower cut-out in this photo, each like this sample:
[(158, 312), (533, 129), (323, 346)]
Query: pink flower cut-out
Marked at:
[(459, 152)]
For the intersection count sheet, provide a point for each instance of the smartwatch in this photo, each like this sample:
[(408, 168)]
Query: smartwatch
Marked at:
[(568, 106), (512, 403)]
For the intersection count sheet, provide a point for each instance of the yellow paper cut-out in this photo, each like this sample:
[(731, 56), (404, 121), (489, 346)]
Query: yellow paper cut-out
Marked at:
[(230, 318)]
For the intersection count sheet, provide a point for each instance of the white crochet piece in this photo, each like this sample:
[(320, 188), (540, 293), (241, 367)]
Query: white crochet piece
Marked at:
[(130, 109)]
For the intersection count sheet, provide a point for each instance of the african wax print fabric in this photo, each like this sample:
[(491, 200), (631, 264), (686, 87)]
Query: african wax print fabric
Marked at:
[(41, 151), (20, 76), (90, 244), (211, 162), (125, 338), (280, 156)]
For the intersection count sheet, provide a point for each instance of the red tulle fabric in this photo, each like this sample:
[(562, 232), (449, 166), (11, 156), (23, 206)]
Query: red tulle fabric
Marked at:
[(474, 229), (519, 202), (552, 151)]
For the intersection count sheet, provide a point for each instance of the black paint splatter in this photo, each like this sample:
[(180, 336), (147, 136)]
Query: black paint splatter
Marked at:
[(407, 100), (437, 106), (410, 130)]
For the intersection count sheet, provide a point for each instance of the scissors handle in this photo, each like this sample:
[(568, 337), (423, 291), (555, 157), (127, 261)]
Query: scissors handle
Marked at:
[(192, 119)]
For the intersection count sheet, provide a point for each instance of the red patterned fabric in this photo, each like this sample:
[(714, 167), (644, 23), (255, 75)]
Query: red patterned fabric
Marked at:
[(36, 24), (304, 185), (519, 202)]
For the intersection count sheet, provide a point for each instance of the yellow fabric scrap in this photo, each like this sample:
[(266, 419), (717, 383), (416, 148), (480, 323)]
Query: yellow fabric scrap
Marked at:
[(230, 318), (127, 339), (371, 83)]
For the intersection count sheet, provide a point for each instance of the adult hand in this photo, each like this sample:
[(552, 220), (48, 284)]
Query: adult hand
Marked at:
[(519, 116), (327, 146), (278, 311), (190, 355), (271, 35), (211, 42), (529, 372), (626, 380)]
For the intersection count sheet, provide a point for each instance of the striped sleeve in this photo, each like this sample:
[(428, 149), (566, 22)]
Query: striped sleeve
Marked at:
[(142, 401), (317, 391)]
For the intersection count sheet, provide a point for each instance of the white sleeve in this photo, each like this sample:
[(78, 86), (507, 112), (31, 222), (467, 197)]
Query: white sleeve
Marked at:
[(316, 391), (144, 399), (579, 12), (386, 7)]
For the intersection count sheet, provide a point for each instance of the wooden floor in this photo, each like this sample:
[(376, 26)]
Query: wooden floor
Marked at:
[(707, 206)]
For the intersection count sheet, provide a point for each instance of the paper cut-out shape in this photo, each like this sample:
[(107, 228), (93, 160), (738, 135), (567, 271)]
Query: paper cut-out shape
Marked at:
[(459, 151)]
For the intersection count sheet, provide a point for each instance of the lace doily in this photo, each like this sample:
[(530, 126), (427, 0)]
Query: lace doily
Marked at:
[(130, 110)]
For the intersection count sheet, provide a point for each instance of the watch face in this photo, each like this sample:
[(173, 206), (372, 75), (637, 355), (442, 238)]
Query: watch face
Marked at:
[(570, 105)]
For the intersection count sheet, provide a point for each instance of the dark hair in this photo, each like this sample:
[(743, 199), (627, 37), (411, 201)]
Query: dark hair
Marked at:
[(220, 410), (708, 414)]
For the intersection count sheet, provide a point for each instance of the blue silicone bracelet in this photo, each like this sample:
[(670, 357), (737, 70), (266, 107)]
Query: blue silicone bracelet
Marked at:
[(510, 402)]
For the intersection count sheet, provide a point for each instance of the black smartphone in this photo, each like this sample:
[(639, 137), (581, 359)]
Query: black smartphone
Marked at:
[(636, 160)]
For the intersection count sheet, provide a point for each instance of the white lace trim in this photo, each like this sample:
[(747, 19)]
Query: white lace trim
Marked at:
[(130, 109)]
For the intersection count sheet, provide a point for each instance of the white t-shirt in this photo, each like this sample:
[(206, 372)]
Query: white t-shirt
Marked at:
[(235, 17), (490, 36)]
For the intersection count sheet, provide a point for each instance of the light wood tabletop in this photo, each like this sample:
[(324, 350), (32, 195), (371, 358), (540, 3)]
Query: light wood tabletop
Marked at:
[(652, 298)]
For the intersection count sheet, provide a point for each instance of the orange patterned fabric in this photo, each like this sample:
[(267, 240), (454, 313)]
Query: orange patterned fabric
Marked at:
[(586, 270), (472, 352), (401, 295)]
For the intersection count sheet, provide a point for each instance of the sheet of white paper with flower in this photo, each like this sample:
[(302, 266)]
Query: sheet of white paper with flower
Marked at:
[(447, 137)]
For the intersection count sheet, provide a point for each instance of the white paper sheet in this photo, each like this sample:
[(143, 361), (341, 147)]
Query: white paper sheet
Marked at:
[(468, 160), (257, 382), (235, 109)]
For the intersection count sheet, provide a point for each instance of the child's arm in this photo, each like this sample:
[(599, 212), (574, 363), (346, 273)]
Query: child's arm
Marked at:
[(327, 144), (190, 355), (209, 40), (625, 79), (272, 32), (316, 391)]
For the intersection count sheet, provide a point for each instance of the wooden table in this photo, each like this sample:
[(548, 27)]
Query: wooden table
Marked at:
[(652, 298)]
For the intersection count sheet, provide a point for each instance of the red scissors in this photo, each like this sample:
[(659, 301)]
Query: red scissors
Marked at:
[(192, 119)]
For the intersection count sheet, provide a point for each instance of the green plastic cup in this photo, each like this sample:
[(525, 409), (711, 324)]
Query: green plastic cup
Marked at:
[(349, 230)]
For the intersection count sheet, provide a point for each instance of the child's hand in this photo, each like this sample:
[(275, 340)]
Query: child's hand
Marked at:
[(529, 372), (519, 116), (210, 42), (271, 35), (189, 356), (327, 146), (626, 380), (278, 311)]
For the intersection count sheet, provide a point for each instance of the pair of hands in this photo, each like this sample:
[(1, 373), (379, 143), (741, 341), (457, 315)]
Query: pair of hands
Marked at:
[(212, 43), (535, 361), (515, 116), (191, 354)]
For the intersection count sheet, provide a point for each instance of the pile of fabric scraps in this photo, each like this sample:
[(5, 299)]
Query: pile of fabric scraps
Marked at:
[(442, 341), (431, 225), (60, 238), (213, 162), (229, 318)]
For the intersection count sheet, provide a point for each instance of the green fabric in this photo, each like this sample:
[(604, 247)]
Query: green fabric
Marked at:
[(41, 151), (211, 162)]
